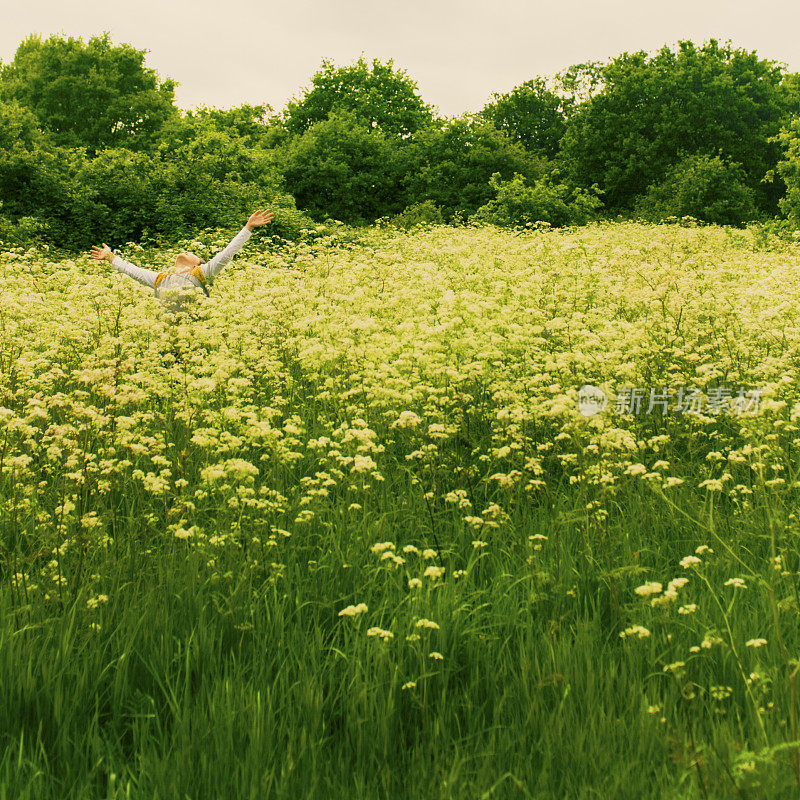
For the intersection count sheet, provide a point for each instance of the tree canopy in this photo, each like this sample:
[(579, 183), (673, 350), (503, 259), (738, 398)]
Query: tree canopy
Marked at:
[(451, 163), (789, 170), (536, 112), (379, 96), (92, 94), (530, 114), (654, 111), (338, 169), (92, 144)]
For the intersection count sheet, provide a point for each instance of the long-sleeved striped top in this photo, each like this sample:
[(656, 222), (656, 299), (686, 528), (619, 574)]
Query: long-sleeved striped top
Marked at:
[(177, 287)]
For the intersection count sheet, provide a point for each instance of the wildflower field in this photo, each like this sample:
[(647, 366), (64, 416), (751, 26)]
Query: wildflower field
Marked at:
[(342, 531)]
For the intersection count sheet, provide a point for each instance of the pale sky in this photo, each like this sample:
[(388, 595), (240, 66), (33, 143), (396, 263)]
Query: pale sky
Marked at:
[(459, 52)]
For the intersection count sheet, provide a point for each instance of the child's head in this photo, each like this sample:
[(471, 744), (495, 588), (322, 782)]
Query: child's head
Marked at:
[(187, 260)]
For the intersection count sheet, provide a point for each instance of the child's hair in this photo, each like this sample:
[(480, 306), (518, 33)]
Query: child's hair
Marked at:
[(187, 259)]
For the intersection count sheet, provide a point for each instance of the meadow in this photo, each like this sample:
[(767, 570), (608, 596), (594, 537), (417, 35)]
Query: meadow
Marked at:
[(343, 531)]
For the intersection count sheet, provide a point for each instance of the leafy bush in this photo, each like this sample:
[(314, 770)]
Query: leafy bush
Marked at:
[(545, 200), (450, 163), (655, 108), (711, 189), (213, 181), (789, 169), (339, 169), (774, 233), (22, 231), (122, 196), (424, 213), (30, 165)]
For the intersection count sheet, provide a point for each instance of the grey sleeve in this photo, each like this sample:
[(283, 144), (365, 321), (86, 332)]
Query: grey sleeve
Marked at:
[(211, 268), (145, 276)]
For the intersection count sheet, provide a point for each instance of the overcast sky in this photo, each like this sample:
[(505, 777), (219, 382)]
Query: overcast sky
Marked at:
[(226, 52)]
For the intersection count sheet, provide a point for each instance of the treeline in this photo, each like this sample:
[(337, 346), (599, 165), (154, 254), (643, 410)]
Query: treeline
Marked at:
[(93, 147)]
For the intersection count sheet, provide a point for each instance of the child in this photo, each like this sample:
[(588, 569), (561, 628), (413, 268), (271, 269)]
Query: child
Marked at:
[(189, 273)]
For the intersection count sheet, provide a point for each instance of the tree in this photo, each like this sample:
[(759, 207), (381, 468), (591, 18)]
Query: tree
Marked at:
[(28, 163), (530, 114), (535, 113), (579, 83), (93, 95), (379, 97), (451, 163), (250, 125), (789, 170), (652, 111), (339, 169)]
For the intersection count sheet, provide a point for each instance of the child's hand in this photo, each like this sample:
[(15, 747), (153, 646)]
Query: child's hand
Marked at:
[(259, 218), (102, 253)]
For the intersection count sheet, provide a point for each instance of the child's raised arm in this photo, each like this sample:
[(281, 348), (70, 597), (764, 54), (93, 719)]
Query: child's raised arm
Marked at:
[(212, 267), (145, 276)]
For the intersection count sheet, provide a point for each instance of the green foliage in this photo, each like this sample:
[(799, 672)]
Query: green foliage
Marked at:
[(451, 164), (545, 200), (18, 128), (379, 96), (535, 113), (248, 124), (122, 195), (28, 168), (212, 157), (773, 234), (424, 213), (709, 189), (93, 95), (530, 114), (340, 170), (578, 83), (696, 100), (789, 170), (207, 172), (22, 231), (289, 223), (111, 197), (252, 127)]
